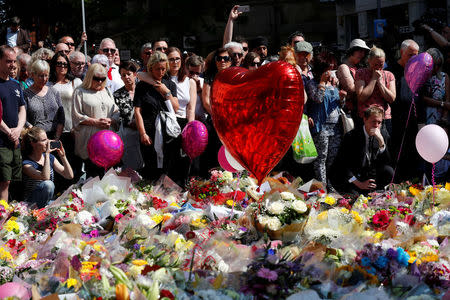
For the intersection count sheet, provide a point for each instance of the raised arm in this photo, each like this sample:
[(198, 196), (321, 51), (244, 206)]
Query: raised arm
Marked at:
[(228, 34)]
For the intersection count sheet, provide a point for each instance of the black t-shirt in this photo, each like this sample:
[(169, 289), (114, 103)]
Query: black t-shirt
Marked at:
[(151, 103), (11, 96)]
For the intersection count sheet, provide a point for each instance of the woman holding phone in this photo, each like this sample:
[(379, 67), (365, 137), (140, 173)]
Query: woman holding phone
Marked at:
[(39, 166)]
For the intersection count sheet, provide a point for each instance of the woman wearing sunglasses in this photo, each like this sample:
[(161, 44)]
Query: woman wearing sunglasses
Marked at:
[(65, 83), (93, 110), (252, 61)]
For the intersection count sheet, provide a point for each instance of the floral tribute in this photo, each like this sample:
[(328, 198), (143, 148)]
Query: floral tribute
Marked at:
[(226, 238)]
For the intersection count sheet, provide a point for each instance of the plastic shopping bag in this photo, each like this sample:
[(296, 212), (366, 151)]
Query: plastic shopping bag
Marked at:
[(303, 144)]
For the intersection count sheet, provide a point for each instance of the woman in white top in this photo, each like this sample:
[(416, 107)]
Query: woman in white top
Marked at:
[(93, 110), (65, 83)]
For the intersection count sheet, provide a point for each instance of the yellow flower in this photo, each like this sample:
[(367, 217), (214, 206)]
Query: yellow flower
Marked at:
[(322, 216), (174, 204), (357, 217), (229, 203), (5, 255), (34, 256), (198, 223), (378, 235), (447, 186), (71, 282), (82, 245), (157, 218), (414, 191), (135, 270), (330, 200), (12, 226), (139, 262), (182, 245), (99, 248), (344, 210), (4, 204)]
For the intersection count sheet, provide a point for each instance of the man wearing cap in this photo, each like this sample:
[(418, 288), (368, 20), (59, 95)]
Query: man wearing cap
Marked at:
[(14, 36), (408, 165), (259, 45), (303, 56)]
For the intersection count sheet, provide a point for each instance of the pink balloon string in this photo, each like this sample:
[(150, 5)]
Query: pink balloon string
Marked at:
[(432, 179), (404, 134)]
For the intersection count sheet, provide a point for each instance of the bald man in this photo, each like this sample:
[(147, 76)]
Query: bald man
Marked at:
[(62, 48)]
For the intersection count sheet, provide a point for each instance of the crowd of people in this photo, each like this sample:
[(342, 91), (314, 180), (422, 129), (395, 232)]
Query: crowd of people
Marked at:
[(54, 100)]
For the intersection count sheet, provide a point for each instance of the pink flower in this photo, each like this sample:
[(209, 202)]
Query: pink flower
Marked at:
[(267, 274), (118, 217)]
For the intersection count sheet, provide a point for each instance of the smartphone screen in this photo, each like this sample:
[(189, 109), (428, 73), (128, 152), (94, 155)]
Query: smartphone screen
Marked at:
[(243, 8), (55, 144)]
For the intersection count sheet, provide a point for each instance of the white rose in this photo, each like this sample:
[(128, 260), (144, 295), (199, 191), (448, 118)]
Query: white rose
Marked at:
[(274, 223), (299, 206), (276, 207), (263, 219), (227, 176), (288, 196), (111, 189)]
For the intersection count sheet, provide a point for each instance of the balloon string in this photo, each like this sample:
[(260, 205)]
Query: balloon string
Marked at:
[(404, 134), (432, 179), (235, 193)]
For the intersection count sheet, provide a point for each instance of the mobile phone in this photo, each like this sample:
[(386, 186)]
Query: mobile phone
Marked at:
[(55, 144), (243, 8)]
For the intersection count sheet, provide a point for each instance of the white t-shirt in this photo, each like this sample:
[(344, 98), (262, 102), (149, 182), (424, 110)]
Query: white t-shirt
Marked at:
[(182, 95), (65, 92), (11, 37)]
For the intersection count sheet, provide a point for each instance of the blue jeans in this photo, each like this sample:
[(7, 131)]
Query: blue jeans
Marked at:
[(42, 194)]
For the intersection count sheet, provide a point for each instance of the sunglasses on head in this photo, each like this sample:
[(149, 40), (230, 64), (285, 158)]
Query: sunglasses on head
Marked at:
[(99, 79), (223, 58), (161, 49), (109, 50), (192, 73), (61, 64), (70, 44), (237, 54), (245, 49), (255, 64)]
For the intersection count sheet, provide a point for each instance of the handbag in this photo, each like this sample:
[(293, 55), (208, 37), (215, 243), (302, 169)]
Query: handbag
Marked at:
[(303, 145), (347, 122)]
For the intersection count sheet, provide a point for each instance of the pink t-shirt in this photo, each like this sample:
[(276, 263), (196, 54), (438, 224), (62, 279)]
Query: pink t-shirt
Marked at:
[(376, 98)]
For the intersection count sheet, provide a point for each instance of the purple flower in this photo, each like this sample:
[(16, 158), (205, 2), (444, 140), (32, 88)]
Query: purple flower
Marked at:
[(267, 274), (76, 263), (391, 253), (94, 233), (137, 246)]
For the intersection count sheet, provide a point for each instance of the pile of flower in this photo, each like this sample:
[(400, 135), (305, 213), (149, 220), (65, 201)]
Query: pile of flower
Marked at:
[(223, 238)]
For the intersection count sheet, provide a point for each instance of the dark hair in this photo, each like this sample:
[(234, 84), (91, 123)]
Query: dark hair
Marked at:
[(4, 49), (14, 21), (182, 71), (128, 65), (161, 39), (210, 63), (249, 58), (53, 76), (293, 35), (240, 39), (322, 62), (373, 110)]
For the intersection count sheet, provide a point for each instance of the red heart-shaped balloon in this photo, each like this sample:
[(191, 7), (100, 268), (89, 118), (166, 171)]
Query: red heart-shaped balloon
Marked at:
[(257, 113)]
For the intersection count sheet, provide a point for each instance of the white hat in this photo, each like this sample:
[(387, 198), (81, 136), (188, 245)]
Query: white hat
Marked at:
[(359, 44)]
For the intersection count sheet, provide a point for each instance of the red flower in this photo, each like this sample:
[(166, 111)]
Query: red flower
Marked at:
[(158, 203), (190, 235), (381, 219), (409, 219), (148, 268), (167, 294), (11, 243)]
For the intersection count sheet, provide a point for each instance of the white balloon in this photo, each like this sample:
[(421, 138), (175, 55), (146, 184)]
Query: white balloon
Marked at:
[(233, 162), (432, 143)]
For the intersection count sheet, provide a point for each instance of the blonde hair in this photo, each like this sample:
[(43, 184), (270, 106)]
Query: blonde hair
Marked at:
[(39, 66), (376, 53), (287, 54), (94, 69), (43, 54), (156, 58), (30, 135)]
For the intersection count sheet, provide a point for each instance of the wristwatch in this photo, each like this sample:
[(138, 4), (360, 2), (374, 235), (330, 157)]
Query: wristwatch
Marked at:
[(168, 94)]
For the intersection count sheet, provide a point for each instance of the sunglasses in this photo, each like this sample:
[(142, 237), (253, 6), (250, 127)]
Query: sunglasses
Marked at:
[(61, 64), (192, 73), (148, 53), (108, 50), (78, 64), (99, 79), (162, 49), (70, 44), (245, 49), (237, 54), (174, 59), (255, 64), (223, 58)]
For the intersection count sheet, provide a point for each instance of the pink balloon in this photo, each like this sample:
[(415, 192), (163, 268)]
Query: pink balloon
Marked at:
[(432, 143), (233, 162), (223, 160), (14, 289), (418, 70), (194, 138), (105, 148)]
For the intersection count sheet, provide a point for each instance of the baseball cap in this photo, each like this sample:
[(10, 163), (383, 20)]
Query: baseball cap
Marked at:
[(303, 46)]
